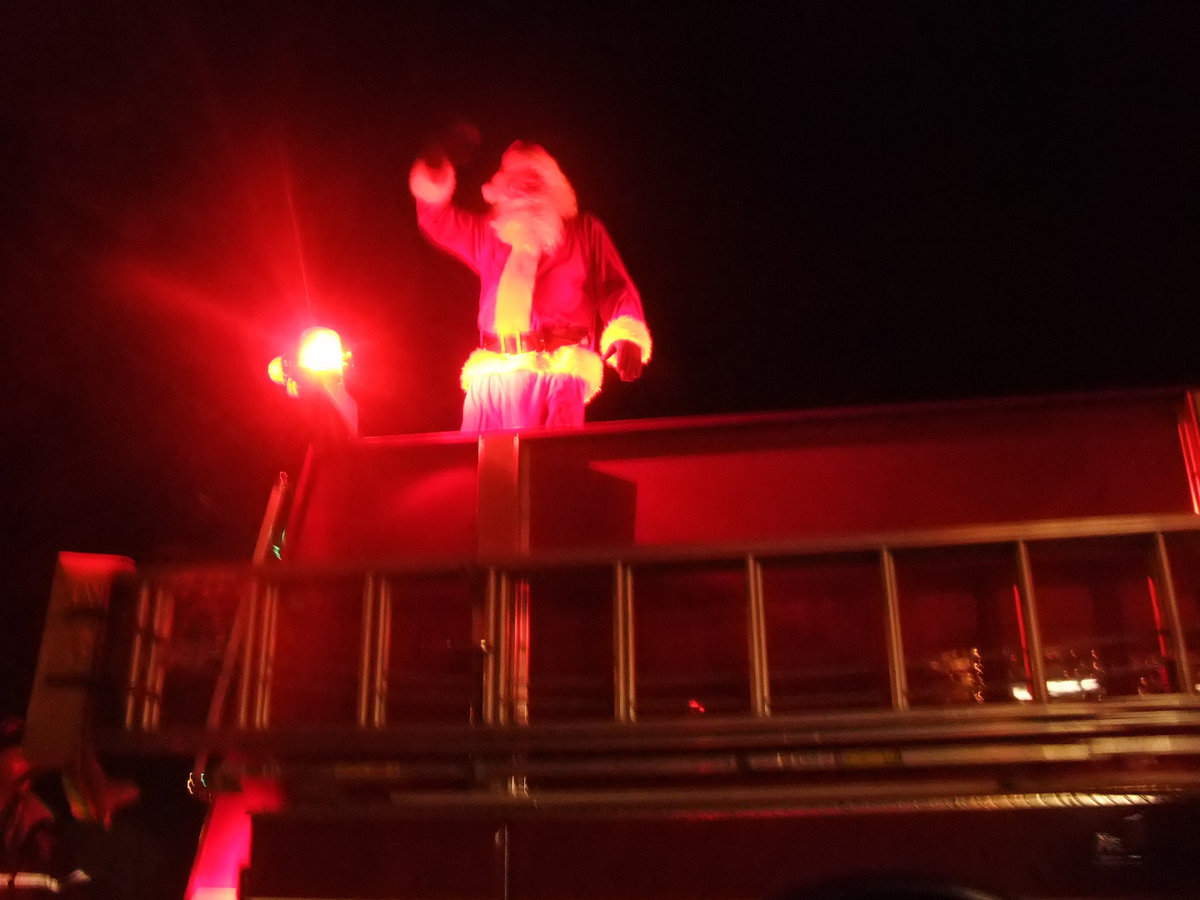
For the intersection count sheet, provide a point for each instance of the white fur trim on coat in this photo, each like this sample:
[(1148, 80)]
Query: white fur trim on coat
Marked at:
[(423, 186), (627, 328), (570, 360)]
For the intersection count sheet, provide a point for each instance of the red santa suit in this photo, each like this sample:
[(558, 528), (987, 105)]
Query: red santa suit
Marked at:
[(541, 358)]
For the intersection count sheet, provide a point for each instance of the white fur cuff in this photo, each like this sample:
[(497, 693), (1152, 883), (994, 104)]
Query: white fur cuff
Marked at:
[(426, 185), (627, 328)]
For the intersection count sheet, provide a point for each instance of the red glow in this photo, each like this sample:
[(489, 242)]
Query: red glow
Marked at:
[(1163, 650), (224, 849), (321, 351), (695, 705), (94, 565), (225, 842), (1024, 643), (1189, 429)]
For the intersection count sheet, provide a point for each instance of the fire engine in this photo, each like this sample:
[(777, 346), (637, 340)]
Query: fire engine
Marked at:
[(930, 651)]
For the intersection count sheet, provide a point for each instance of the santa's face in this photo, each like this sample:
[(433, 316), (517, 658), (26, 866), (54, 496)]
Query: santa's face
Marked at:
[(517, 186), (523, 209)]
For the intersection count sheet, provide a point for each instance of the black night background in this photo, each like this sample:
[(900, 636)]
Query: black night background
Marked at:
[(838, 203)]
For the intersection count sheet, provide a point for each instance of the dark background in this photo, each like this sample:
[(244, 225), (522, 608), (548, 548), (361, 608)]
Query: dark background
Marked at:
[(841, 203)]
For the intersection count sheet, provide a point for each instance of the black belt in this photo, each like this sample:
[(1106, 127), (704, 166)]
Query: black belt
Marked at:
[(534, 341)]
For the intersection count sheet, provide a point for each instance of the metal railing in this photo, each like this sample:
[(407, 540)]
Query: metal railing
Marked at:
[(246, 679)]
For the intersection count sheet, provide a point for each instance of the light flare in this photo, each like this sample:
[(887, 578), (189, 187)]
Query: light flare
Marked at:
[(321, 352)]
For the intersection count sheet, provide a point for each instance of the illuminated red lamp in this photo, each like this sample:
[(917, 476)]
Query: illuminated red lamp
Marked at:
[(318, 369), (321, 352), (319, 355)]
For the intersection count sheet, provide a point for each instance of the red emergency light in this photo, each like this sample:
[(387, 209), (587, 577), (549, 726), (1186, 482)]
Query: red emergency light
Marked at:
[(318, 368), (321, 352), (319, 356)]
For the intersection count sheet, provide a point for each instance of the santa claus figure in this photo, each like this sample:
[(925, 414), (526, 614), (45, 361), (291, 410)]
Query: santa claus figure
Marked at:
[(555, 301)]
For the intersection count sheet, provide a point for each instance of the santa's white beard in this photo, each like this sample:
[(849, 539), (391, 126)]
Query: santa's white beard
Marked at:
[(528, 227)]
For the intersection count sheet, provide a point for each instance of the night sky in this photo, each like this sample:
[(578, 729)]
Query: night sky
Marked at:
[(838, 204)]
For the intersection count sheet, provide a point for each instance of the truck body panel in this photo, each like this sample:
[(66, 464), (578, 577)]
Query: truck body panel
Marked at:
[(754, 656)]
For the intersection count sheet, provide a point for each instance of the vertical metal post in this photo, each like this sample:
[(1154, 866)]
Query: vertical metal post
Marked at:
[(366, 660), (246, 687), (234, 649), (491, 656), (247, 630), (156, 670), (1184, 683), (518, 624), (517, 675), (1033, 633), (502, 516), (264, 547), (895, 637), (135, 694), (265, 674), (624, 681), (503, 644), (383, 651), (756, 635)]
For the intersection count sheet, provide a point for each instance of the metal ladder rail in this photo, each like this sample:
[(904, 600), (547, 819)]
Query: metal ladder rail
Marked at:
[(897, 671), (1172, 623), (1030, 630), (374, 654), (135, 683), (375, 635), (156, 614), (506, 648), (1168, 620), (897, 668), (624, 668), (756, 639)]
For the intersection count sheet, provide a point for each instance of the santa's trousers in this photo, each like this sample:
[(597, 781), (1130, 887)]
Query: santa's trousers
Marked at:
[(523, 399)]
